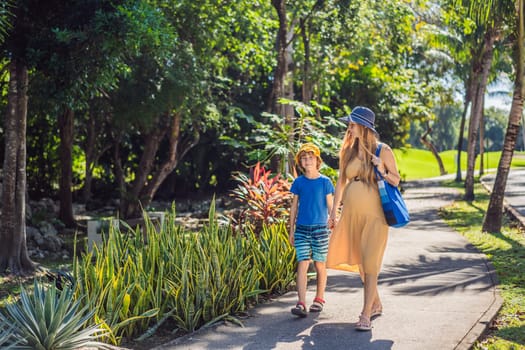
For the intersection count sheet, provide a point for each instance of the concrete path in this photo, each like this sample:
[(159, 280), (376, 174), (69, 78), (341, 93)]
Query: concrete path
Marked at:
[(438, 292)]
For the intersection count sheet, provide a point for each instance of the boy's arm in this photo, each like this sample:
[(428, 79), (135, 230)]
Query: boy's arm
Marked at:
[(329, 203), (293, 217), (336, 202)]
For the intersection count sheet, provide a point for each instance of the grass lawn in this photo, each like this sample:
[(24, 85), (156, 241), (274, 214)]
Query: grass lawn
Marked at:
[(506, 251), (417, 164)]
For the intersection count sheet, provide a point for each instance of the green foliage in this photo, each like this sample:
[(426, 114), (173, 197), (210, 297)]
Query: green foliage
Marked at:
[(265, 199), (8, 337), (215, 65), (275, 258), (7, 8), (50, 319), (506, 251), (117, 281), (272, 138), (138, 280)]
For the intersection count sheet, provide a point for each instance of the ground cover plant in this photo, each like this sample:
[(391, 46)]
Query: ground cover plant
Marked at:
[(139, 281), (506, 251)]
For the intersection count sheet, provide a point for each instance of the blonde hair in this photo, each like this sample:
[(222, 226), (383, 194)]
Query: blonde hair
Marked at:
[(367, 141)]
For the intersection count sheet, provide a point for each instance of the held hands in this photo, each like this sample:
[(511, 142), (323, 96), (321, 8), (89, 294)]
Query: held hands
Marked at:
[(332, 221)]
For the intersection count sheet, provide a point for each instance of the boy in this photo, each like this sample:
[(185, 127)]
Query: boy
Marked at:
[(311, 203)]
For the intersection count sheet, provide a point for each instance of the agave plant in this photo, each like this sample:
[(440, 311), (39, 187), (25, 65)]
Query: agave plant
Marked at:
[(50, 319), (8, 338)]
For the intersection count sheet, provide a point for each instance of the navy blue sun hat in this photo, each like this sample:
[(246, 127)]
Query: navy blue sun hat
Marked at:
[(363, 116)]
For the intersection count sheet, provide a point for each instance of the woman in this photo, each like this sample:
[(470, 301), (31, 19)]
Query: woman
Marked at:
[(359, 237)]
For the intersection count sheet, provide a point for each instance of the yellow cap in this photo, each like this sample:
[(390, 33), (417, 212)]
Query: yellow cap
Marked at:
[(308, 147)]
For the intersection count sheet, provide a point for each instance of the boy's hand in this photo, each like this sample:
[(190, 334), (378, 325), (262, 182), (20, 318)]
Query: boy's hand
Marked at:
[(331, 222)]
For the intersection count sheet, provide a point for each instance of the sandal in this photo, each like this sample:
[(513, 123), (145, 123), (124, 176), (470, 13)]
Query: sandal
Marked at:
[(376, 312), (363, 324), (317, 305), (299, 310)]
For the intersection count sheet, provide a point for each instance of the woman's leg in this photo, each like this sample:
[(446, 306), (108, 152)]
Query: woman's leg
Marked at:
[(320, 268), (371, 295)]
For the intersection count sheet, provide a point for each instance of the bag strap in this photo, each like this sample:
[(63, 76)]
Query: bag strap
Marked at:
[(378, 151)]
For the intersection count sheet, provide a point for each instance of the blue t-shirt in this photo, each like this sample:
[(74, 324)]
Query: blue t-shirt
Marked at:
[(312, 208)]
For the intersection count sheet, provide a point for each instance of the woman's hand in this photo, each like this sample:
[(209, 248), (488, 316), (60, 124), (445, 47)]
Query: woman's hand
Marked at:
[(378, 163)]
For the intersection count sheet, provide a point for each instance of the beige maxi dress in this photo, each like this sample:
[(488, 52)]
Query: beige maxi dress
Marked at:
[(361, 233)]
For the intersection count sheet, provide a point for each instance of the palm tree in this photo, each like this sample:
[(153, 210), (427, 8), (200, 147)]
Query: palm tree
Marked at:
[(489, 15), (493, 216)]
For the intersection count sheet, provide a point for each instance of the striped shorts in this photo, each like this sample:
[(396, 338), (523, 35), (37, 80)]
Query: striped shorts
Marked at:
[(311, 241)]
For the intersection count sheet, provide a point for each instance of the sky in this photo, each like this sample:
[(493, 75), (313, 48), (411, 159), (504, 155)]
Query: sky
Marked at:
[(499, 94)]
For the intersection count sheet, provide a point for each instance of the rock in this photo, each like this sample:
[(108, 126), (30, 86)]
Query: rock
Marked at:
[(47, 229), (52, 243), (32, 233)]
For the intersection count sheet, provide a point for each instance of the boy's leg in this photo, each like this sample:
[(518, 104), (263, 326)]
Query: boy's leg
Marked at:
[(302, 270), (303, 252), (319, 252), (300, 307)]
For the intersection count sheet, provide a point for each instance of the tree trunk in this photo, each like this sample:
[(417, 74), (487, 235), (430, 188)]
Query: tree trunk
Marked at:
[(481, 144), (433, 149), (461, 136), (65, 127), (493, 216), (13, 250), (307, 82), (93, 154), (89, 150), (177, 150), (131, 202), (479, 75), (523, 132), (289, 112), (119, 171), (280, 70)]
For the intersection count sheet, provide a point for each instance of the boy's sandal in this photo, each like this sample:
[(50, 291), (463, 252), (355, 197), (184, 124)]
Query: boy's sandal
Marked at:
[(299, 309), (363, 324), (317, 305)]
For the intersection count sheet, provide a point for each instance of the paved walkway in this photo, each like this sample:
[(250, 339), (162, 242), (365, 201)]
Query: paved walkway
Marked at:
[(438, 292)]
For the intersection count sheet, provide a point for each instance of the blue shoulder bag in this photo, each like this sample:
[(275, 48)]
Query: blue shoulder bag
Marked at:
[(394, 207)]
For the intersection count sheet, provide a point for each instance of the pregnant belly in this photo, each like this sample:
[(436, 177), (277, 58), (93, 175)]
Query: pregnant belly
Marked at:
[(362, 198)]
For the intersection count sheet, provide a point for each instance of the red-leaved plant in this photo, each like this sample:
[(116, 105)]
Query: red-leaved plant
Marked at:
[(265, 199)]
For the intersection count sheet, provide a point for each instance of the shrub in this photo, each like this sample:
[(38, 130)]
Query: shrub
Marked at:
[(192, 278), (48, 319), (265, 199)]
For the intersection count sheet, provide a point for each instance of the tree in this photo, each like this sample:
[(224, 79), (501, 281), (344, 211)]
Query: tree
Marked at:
[(493, 217), (13, 250), (489, 17)]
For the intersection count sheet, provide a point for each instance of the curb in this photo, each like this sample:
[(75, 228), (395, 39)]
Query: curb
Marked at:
[(481, 327), (508, 208)]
